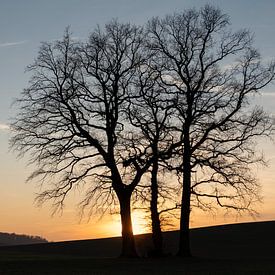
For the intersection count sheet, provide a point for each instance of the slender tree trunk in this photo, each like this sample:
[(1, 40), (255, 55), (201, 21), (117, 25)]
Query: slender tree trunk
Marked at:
[(128, 240), (156, 229), (184, 242)]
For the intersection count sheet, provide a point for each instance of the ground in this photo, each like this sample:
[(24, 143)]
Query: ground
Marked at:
[(233, 249)]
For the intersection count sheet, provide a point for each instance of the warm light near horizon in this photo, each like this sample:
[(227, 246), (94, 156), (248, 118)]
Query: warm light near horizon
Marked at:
[(139, 223)]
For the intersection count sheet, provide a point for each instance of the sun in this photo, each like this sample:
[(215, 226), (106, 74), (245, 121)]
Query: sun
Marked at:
[(139, 222)]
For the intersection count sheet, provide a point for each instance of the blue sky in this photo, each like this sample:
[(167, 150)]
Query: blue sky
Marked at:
[(24, 24)]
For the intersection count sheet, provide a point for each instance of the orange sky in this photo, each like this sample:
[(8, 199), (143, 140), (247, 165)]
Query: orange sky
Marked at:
[(19, 214)]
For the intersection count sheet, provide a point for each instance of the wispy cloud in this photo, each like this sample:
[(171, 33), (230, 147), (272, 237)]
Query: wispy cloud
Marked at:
[(4, 127), (262, 94), (268, 93), (8, 44)]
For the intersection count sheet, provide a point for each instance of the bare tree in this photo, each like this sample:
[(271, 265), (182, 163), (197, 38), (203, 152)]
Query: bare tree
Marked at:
[(212, 72), (72, 120), (151, 112)]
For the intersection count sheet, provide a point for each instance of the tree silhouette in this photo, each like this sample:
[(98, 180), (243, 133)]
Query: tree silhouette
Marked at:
[(18, 239), (212, 73), (151, 112), (103, 113), (72, 120)]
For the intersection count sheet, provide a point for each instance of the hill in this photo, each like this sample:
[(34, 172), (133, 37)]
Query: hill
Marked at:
[(16, 239), (247, 248), (243, 240)]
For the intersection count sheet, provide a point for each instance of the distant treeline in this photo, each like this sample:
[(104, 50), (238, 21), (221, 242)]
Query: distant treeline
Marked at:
[(15, 239)]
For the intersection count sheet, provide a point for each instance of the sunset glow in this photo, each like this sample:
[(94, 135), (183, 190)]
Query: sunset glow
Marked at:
[(139, 223)]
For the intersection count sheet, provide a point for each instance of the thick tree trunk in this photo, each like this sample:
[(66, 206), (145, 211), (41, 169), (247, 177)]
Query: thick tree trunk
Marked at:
[(184, 242), (128, 240), (156, 229)]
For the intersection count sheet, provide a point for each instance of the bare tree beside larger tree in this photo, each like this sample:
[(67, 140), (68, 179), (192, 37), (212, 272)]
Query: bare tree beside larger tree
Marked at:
[(72, 120), (151, 112), (212, 72)]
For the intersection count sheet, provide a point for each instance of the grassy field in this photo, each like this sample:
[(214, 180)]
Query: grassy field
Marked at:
[(232, 249)]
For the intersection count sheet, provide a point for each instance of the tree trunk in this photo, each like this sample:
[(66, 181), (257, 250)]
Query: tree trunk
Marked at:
[(184, 242), (156, 229), (128, 240)]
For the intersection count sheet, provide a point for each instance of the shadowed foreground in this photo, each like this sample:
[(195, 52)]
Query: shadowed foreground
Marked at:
[(230, 249)]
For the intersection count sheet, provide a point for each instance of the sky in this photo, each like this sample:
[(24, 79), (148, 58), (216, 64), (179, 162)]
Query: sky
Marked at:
[(24, 24)]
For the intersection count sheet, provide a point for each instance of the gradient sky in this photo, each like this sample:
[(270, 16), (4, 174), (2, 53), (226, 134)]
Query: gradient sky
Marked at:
[(24, 24)]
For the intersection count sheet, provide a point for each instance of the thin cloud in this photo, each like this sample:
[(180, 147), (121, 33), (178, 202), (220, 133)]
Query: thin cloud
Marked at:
[(268, 93), (4, 127), (263, 94), (8, 44)]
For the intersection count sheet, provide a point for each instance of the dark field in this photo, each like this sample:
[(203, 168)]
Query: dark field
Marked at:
[(229, 249)]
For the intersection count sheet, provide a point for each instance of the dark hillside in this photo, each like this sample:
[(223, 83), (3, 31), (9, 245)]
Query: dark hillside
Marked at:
[(222, 250), (235, 241)]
